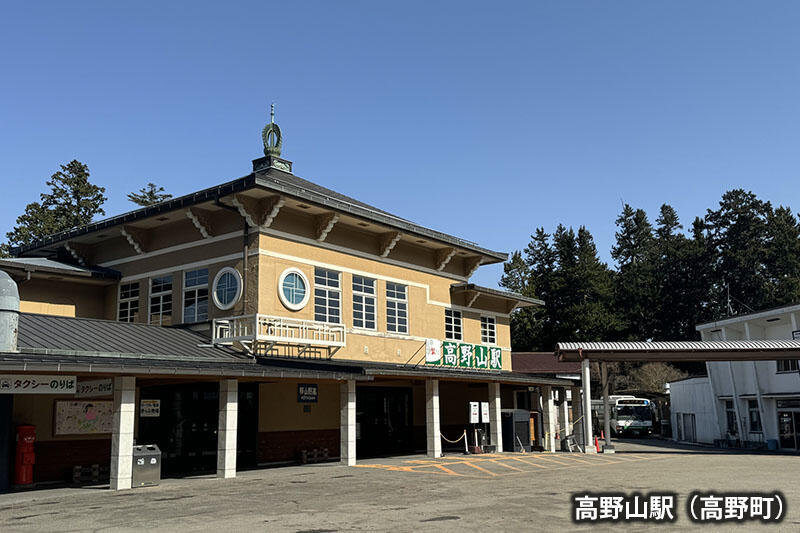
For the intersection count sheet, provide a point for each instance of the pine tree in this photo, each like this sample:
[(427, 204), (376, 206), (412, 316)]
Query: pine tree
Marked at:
[(737, 233), (149, 195), (72, 202), (635, 287), (783, 257)]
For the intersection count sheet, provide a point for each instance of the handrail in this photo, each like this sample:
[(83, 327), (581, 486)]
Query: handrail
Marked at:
[(278, 329)]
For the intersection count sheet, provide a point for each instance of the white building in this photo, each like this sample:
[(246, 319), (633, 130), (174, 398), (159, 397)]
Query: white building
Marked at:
[(743, 402)]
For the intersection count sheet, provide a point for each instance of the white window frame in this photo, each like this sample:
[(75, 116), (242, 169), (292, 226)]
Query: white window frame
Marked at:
[(329, 290), (365, 297), (238, 277), (284, 300), (393, 307), (788, 366), (194, 288), (128, 300), (160, 295), (486, 337), (454, 321)]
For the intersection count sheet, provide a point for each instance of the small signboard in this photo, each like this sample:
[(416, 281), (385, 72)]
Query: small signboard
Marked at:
[(94, 388), (433, 350), (149, 408), (35, 384), (485, 412), (796, 335), (474, 412), (307, 393)]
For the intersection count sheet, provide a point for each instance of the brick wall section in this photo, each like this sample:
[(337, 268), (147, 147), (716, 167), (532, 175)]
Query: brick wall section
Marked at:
[(278, 446), (55, 459)]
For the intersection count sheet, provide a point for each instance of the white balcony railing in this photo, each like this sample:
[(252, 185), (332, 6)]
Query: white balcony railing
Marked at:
[(259, 331)]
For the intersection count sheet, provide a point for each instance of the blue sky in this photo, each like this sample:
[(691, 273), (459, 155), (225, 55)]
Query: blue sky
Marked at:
[(483, 120)]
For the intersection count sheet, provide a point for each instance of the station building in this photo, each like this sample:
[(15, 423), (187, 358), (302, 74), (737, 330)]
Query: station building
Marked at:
[(743, 403), (263, 320)]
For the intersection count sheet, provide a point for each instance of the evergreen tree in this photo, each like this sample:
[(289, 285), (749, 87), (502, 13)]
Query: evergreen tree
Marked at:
[(72, 202), (635, 287), (783, 257), (737, 233), (149, 195)]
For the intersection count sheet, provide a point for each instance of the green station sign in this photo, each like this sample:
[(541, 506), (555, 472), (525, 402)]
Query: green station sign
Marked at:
[(463, 355)]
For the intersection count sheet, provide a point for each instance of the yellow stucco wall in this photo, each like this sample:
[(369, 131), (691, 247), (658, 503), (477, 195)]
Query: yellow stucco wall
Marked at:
[(53, 297), (428, 297), (279, 409)]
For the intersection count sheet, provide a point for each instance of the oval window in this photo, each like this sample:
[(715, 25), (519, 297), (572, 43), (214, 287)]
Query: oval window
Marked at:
[(227, 288), (293, 289)]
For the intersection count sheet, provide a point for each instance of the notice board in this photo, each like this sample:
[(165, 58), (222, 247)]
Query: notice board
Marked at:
[(83, 417)]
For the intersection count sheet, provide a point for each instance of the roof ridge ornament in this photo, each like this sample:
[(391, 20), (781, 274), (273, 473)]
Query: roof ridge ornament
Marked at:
[(271, 135)]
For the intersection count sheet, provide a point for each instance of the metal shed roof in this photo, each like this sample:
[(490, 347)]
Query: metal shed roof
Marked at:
[(680, 350)]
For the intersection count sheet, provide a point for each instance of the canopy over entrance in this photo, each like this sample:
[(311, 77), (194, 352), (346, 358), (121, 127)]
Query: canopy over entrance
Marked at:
[(679, 351)]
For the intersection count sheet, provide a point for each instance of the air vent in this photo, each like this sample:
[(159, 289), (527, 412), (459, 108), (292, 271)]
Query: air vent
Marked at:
[(773, 319), (303, 206), (363, 224), (162, 219)]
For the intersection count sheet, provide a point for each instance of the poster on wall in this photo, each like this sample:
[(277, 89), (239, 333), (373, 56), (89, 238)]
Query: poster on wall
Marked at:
[(83, 417)]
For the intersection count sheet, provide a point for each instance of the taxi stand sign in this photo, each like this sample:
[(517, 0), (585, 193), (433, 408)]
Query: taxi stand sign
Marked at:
[(37, 384), (462, 355)]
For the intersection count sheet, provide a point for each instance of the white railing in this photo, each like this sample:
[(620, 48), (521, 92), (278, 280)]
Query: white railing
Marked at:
[(278, 330)]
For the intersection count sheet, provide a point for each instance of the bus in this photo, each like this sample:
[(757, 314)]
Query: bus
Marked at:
[(632, 416)]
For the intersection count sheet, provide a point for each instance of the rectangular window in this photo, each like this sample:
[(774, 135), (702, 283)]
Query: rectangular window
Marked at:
[(363, 302), (488, 330), (161, 301), (452, 325), (755, 416), (787, 365), (396, 308), (195, 295), (327, 296), (730, 412), (129, 302)]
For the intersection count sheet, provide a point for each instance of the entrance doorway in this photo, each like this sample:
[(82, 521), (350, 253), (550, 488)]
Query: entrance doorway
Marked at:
[(186, 428), (384, 422)]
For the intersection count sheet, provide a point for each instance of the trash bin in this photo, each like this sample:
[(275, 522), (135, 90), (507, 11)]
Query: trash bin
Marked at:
[(146, 465)]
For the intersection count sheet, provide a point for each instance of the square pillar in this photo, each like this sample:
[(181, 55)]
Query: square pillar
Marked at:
[(577, 413), (226, 431), (347, 418), (122, 432), (563, 428), (433, 427), (495, 417), (586, 383), (548, 418)]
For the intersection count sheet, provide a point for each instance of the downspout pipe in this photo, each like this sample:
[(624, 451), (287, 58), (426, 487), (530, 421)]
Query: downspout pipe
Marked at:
[(245, 250), (9, 313)]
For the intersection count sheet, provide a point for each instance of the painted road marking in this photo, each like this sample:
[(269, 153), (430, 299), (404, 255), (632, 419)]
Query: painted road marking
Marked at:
[(543, 461)]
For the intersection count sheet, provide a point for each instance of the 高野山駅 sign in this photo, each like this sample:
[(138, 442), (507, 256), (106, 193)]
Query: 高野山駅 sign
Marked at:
[(457, 354)]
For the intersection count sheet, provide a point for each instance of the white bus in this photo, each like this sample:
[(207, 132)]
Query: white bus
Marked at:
[(632, 416)]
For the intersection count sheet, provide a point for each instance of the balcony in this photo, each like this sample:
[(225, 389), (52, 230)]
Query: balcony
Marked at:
[(280, 336)]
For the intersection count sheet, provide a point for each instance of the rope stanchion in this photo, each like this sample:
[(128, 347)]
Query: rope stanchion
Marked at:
[(462, 437)]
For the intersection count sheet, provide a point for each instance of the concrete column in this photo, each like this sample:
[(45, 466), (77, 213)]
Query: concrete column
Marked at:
[(347, 418), (577, 413), (563, 414), (495, 417), (122, 432), (226, 431), (608, 448), (586, 382), (548, 418), (433, 428)]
